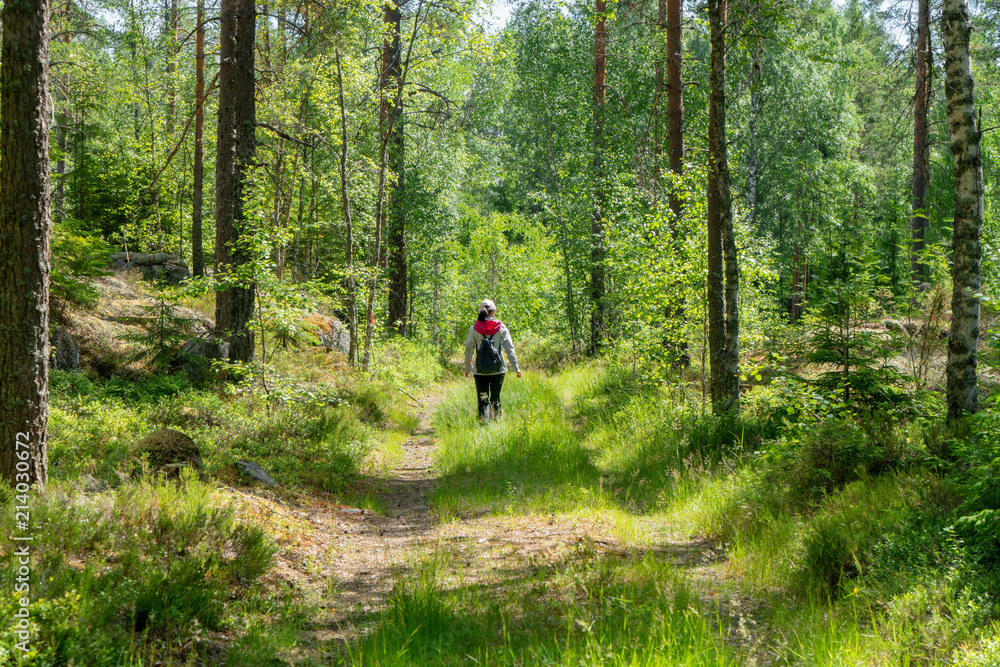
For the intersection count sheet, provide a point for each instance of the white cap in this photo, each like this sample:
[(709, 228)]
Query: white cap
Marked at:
[(487, 305)]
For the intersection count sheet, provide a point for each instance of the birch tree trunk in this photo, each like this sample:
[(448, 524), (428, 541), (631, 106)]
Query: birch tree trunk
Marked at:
[(966, 270), (25, 232), (723, 274)]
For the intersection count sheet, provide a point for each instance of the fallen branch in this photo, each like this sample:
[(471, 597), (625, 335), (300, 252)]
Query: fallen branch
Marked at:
[(414, 400)]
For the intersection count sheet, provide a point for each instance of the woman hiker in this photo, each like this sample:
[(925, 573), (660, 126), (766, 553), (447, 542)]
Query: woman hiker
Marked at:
[(486, 338)]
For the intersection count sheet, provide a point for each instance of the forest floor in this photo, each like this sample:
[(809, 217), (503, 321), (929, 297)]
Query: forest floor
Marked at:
[(347, 562)]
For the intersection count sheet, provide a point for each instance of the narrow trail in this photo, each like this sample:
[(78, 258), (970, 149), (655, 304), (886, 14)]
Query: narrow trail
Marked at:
[(353, 558)]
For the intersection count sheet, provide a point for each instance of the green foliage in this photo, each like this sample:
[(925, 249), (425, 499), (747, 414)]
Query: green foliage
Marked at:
[(844, 532), (164, 555), (826, 455), (78, 253), (581, 609), (406, 365), (842, 337), (978, 465), (165, 329)]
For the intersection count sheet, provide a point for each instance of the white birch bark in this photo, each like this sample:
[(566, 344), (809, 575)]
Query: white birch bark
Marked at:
[(966, 249)]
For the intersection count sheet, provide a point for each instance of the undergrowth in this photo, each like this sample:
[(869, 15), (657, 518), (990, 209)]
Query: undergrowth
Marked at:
[(579, 610), (862, 545)]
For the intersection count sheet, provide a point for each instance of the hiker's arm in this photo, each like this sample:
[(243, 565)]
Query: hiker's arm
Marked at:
[(470, 347), (508, 348)]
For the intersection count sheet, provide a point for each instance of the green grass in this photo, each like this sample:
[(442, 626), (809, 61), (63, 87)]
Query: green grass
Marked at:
[(531, 459), (582, 610), (316, 441), (169, 556), (819, 525)]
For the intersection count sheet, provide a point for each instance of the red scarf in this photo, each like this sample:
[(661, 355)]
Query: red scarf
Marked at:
[(488, 327)]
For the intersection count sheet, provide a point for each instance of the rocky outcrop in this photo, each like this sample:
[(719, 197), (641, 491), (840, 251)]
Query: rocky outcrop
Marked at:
[(168, 450), (153, 266), (330, 331), (65, 351), (255, 472), (198, 356)]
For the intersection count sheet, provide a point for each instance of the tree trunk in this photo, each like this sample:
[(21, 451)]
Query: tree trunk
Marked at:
[(197, 187), (345, 201), (966, 268), (597, 253), (723, 275), (391, 117), (675, 150), (170, 32), (236, 147), (25, 232), (675, 99), (921, 141)]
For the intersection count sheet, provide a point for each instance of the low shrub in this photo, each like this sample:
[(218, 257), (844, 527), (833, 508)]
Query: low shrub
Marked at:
[(154, 557), (842, 535)]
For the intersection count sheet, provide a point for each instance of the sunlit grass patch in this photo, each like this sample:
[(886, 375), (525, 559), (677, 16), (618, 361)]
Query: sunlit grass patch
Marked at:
[(582, 610), (530, 459), (136, 571)]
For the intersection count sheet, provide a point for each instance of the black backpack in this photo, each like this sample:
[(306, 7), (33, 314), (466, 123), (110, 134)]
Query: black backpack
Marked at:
[(488, 357)]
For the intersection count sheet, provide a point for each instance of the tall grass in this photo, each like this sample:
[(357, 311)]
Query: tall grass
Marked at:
[(530, 459), (126, 573), (580, 611), (838, 530)]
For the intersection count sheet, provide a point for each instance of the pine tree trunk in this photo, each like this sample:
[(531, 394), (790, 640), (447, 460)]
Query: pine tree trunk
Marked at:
[(921, 141), (723, 275), (675, 99), (392, 133), (966, 271), (197, 187), (597, 253), (25, 232), (236, 148)]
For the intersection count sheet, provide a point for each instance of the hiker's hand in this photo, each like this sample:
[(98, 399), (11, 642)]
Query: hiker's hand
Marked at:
[(519, 374)]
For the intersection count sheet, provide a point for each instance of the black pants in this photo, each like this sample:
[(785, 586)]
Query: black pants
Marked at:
[(488, 391)]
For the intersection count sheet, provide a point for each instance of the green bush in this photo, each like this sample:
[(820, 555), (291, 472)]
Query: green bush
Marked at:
[(843, 534), (149, 556), (977, 473), (78, 253), (405, 364)]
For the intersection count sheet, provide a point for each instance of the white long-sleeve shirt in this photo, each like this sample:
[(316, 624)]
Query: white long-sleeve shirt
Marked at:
[(472, 342)]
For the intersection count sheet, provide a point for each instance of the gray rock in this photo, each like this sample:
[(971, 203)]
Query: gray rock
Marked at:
[(169, 450), (207, 348), (65, 351), (251, 469), (330, 331), (197, 355), (153, 266), (904, 328)]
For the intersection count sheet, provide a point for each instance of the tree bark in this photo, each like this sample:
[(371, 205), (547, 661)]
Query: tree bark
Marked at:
[(197, 187), (235, 152), (723, 273), (345, 201), (966, 271), (597, 253), (391, 117), (25, 232), (675, 99), (921, 141)]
